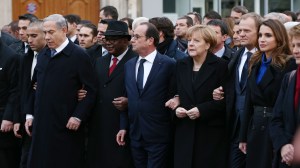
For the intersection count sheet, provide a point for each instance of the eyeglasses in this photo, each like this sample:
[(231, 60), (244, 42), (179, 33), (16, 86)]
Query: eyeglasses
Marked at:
[(136, 36)]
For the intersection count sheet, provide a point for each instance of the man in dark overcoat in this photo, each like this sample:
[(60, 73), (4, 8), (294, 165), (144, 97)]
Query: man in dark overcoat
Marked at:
[(58, 125)]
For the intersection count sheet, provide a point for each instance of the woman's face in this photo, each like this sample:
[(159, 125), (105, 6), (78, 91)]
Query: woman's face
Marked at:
[(266, 40), (197, 47), (296, 48)]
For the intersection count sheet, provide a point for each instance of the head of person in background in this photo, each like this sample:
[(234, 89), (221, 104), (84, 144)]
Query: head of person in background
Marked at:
[(298, 16), (273, 44), (73, 21), (24, 21), (81, 23), (210, 16), (108, 12), (87, 35), (292, 17), (236, 37), (288, 26), (129, 22), (137, 21), (182, 25), (36, 35), (197, 19), (167, 45), (230, 22), (201, 40), (55, 28), (14, 29), (283, 18), (117, 37), (102, 26), (248, 26), (6, 29), (237, 12)]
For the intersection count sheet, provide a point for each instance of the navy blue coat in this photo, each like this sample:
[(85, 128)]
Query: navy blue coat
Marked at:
[(58, 80), (148, 116)]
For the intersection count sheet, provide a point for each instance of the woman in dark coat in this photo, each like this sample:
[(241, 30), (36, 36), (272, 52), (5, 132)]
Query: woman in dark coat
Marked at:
[(286, 111), (200, 121), (266, 70)]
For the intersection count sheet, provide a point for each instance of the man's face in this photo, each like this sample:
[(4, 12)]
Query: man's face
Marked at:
[(102, 16), (54, 36), (101, 30), (248, 33), (235, 15), (236, 35), (36, 38), (220, 38), (296, 48), (181, 28), (116, 45), (22, 26), (85, 38), (139, 40)]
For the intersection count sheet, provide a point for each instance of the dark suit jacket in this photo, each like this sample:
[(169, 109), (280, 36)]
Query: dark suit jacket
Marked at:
[(94, 52), (148, 117), (9, 64), (285, 120), (200, 142), (228, 54), (58, 80), (105, 120)]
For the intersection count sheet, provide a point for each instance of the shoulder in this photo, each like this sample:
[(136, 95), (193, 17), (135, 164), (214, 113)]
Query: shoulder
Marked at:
[(165, 58)]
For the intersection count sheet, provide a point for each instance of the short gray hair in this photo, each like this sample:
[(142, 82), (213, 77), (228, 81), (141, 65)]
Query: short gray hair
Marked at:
[(36, 23), (58, 19)]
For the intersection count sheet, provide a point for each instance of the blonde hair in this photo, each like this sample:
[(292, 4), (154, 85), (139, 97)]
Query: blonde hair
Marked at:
[(207, 33)]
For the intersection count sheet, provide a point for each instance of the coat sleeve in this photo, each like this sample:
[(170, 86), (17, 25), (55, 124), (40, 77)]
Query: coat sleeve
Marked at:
[(277, 132), (87, 77)]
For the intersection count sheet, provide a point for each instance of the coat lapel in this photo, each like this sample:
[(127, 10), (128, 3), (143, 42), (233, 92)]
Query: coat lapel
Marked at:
[(205, 71), (185, 70), (154, 71), (266, 79)]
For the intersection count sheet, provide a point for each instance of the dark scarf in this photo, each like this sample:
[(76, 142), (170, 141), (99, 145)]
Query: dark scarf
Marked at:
[(182, 44), (164, 46)]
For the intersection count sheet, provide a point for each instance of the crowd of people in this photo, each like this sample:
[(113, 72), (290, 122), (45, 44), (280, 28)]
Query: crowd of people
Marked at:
[(209, 92)]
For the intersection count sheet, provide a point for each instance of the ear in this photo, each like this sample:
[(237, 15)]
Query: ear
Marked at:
[(65, 29), (150, 41), (224, 37), (207, 46), (94, 39)]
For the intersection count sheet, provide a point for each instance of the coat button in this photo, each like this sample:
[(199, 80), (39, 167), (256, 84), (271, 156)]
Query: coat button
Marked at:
[(262, 128), (104, 85)]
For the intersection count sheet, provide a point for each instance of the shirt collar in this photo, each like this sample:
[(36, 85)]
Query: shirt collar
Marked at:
[(120, 56), (62, 46), (220, 52), (252, 51), (150, 58), (73, 38)]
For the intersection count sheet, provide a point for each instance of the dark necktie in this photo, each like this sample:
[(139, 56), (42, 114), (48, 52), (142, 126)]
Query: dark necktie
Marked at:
[(113, 66), (245, 71), (53, 52), (140, 76)]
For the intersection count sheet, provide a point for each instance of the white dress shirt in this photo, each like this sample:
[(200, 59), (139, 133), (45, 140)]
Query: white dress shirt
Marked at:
[(243, 60), (147, 65)]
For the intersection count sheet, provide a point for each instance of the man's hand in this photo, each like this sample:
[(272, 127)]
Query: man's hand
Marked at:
[(7, 126), (120, 137), (81, 94), (120, 103), (243, 147), (16, 130), (180, 112), (35, 86), (287, 154), (73, 124), (193, 113), (28, 126), (173, 103), (218, 93)]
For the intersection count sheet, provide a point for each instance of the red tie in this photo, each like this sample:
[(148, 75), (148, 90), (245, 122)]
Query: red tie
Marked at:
[(297, 90), (113, 66)]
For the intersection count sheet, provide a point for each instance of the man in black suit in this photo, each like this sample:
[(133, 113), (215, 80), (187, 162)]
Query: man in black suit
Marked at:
[(21, 47), (73, 21), (221, 50), (36, 41), (109, 116), (149, 84), (235, 89), (87, 38), (9, 144), (58, 124)]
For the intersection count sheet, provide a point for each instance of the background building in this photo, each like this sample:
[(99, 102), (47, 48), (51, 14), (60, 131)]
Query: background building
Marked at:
[(89, 9)]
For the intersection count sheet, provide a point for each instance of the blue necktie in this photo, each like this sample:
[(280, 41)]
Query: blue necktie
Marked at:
[(140, 76), (53, 52), (245, 71)]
